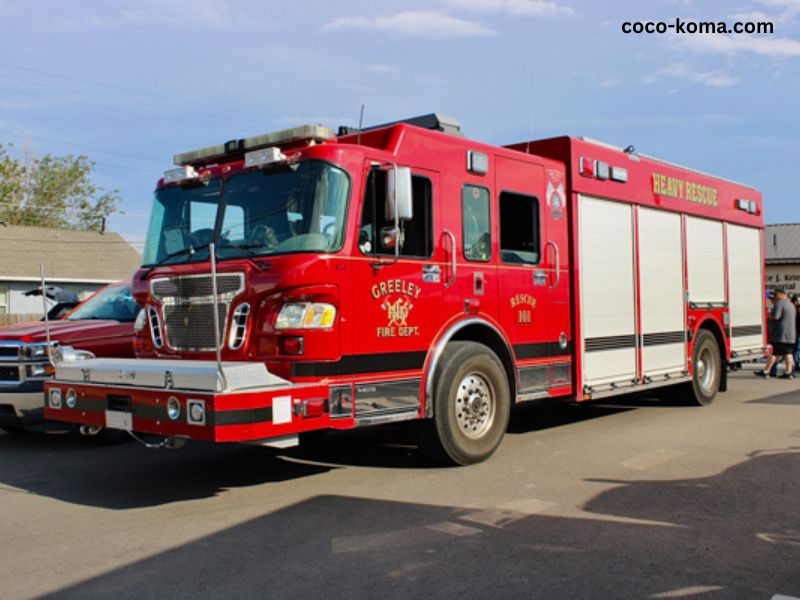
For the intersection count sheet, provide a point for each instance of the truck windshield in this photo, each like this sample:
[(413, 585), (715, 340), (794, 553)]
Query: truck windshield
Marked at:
[(283, 209), (114, 302)]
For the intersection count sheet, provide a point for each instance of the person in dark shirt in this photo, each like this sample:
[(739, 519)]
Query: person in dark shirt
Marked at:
[(783, 334)]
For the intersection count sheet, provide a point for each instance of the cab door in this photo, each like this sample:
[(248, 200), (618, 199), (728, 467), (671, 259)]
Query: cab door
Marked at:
[(397, 298), (533, 282)]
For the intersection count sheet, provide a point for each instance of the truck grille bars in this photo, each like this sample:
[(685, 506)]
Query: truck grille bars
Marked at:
[(188, 304)]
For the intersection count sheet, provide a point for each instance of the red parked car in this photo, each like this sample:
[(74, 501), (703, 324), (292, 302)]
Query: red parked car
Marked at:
[(102, 324)]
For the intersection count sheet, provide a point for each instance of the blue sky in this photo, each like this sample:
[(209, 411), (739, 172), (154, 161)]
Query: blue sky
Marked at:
[(131, 83)]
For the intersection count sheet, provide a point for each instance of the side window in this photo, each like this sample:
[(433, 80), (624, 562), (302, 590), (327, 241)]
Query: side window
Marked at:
[(519, 229), (417, 233), (476, 224)]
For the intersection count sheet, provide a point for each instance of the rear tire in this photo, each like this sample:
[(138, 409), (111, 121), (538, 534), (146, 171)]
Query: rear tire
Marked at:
[(471, 405), (706, 373)]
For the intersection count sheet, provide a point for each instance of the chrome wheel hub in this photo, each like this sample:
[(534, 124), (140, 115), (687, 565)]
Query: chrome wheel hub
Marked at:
[(706, 371), (475, 406)]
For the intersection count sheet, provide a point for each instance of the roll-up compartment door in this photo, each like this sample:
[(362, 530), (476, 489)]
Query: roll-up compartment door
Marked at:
[(608, 339), (745, 288), (661, 293), (705, 262)]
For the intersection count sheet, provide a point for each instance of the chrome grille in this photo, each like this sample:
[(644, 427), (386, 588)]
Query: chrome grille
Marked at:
[(194, 286), (191, 326), (9, 352), (187, 307), (9, 373)]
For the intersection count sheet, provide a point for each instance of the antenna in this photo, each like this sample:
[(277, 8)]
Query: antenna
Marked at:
[(360, 124), (46, 317), (528, 143), (218, 345)]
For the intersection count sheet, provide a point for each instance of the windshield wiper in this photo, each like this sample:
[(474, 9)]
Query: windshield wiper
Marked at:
[(183, 251), (247, 247)]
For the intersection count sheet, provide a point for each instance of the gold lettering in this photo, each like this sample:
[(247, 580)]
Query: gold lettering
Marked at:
[(382, 285), (375, 293)]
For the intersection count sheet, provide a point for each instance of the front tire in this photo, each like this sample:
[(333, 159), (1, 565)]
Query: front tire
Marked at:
[(471, 405)]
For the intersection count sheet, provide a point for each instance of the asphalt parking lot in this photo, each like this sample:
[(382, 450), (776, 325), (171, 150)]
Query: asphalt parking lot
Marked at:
[(626, 499)]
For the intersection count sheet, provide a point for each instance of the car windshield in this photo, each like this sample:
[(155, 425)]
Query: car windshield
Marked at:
[(278, 210), (114, 302)]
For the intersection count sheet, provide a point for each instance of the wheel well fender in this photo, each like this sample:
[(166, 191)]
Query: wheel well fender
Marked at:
[(471, 330)]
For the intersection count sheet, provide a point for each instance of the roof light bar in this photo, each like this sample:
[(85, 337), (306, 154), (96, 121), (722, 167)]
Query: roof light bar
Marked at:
[(179, 174), (306, 133), (309, 134)]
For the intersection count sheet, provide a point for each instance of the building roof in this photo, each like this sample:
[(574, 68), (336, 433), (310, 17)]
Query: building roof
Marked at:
[(67, 254), (782, 243)]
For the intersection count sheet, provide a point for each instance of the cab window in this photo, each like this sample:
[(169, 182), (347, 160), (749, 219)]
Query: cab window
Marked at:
[(476, 225), (417, 233), (519, 228)]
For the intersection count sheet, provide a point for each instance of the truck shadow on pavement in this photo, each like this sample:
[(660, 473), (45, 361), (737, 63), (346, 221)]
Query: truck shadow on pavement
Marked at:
[(731, 535), (128, 476)]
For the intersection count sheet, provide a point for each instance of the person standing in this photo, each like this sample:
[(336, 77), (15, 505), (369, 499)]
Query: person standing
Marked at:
[(783, 335), (796, 302)]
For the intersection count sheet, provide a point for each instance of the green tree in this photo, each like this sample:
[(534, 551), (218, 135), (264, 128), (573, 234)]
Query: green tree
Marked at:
[(53, 191)]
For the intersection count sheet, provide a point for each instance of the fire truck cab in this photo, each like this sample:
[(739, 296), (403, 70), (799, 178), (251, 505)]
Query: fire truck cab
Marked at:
[(299, 281)]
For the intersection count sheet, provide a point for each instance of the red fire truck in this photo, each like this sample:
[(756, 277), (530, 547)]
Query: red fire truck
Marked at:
[(299, 281)]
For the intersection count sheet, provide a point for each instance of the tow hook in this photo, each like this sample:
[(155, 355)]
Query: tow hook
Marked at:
[(169, 443), (89, 430)]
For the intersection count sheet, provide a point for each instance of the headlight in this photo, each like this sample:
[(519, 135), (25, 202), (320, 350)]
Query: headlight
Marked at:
[(33, 351), (306, 315), (39, 370), (138, 324)]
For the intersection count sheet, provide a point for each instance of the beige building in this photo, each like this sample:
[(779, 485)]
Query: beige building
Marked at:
[(782, 254), (76, 261)]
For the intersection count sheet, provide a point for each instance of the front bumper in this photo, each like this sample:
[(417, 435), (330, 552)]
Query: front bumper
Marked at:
[(254, 406), (21, 408)]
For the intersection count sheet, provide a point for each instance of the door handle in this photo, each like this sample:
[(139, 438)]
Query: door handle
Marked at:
[(453, 265), (558, 263)]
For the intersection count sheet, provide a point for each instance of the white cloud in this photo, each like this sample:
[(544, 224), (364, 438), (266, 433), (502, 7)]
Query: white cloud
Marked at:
[(754, 15), (420, 23), (382, 68), (684, 71), (528, 8), (782, 3), (218, 15), (731, 45)]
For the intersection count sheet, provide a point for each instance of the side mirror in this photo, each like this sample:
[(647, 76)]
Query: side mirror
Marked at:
[(398, 195)]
